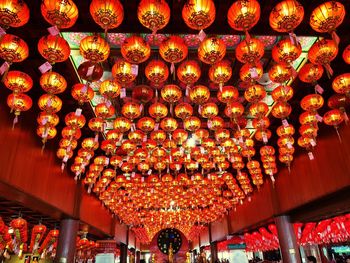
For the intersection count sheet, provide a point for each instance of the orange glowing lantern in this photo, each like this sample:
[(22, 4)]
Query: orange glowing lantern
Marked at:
[(124, 72), (168, 124), (54, 48), (262, 123), (250, 51), (53, 83), (62, 14), (158, 111), (200, 14), (82, 93), (89, 144), (341, 84), (49, 119), (13, 49), (346, 54), (220, 72), (50, 103), (135, 49), (46, 132), (211, 50), (286, 16), (280, 73), (327, 17), (183, 110), (75, 121), (146, 124), (157, 72), (18, 103), (281, 110), (209, 110), (243, 15), (104, 110), (192, 123), (286, 51), (158, 136), (171, 93), (312, 102), (310, 73), (109, 89), (94, 48), (14, 13), (308, 130), (189, 72), (131, 110), (255, 93), (108, 14), (234, 110), (199, 94), (142, 93), (97, 124), (70, 133), (153, 14), (228, 94), (180, 136), (251, 72), (282, 93), (173, 50), (308, 118), (333, 118), (18, 81)]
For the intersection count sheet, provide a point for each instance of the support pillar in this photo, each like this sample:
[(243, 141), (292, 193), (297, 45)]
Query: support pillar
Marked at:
[(123, 253), (287, 239), (67, 240), (138, 256), (214, 251)]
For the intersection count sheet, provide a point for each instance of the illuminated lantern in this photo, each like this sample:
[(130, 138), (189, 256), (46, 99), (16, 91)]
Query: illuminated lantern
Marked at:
[(158, 111), (183, 110), (46, 132), (104, 110), (209, 110), (109, 89), (75, 121), (220, 72), (108, 14), (200, 14), (54, 48), (286, 51), (255, 93), (135, 49), (62, 14), (146, 124), (18, 103), (94, 48), (251, 72), (192, 123), (136, 137), (282, 93), (327, 17), (70, 133), (281, 110), (50, 103), (173, 50), (228, 94), (171, 93), (308, 130), (180, 136), (157, 72), (18, 81), (153, 14), (308, 118), (13, 49), (262, 123), (64, 153), (346, 55), (124, 72), (112, 135), (234, 110), (49, 119), (286, 16), (142, 93), (310, 73), (199, 94), (89, 144), (53, 83), (312, 102), (131, 110), (323, 52), (250, 52), (189, 72), (168, 124), (333, 118), (243, 15), (82, 93), (341, 84), (14, 13), (97, 125), (211, 50), (280, 73), (90, 71), (38, 232)]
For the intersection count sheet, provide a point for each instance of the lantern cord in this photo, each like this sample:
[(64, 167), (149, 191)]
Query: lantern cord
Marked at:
[(15, 120), (329, 70), (339, 137), (335, 37), (247, 37), (288, 166)]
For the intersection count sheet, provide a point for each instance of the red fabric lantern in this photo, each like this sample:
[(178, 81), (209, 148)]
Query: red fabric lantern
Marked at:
[(108, 14), (94, 48), (62, 14), (14, 13), (211, 50), (153, 14), (13, 48), (135, 50), (200, 14), (54, 48), (250, 51)]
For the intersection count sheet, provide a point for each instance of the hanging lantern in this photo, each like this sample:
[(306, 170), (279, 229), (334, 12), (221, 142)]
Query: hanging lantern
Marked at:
[(54, 48), (90, 71), (97, 125), (108, 14), (211, 50), (153, 14), (220, 72), (158, 111), (131, 110), (49, 119), (280, 73), (46, 132), (124, 72), (199, 94), (346, 54), (183, 110), (82, 93), (75, 121), (109, 89), (308, 118), (262, 123), (334, 118), (158, 136), (189, 72), (234, 110), (282, 93), (199, 15), (13, 13), (104, 110), (53, 83), (286, 16), (173, 50), (341, 84), (243, 15), (312, 102), (310, 73), (250, 51), (323, 52), (62, 14), (180, 136), (286, 51), (308, 130), (327, 17), (13, 49), (142, 93), (157, 72), (18, 103), (89, 144), (251, 72), (281, 110), (192, 123), (94, 48), (146, 124), (18, 81), (135, 50), (168, 124), (258, 110), (209, 110), (255, 93), (50, 103), (228, 94), (70, 133), (171, 93)]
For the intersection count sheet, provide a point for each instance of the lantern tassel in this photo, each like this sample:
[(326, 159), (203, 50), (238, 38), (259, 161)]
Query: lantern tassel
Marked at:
[(346, 118), (339, 137), (172, 109), (288, 166), (15, 120), (201, 35), (329, 70), (273, 180), (172, 70), (335, 37), (247, 37)]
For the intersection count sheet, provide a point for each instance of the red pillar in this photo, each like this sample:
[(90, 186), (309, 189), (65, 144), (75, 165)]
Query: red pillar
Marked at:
[(288, 243), (67, 240)]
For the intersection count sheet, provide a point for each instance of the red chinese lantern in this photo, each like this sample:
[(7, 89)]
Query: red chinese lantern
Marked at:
[(109, 89), (108, 14), (173, 50), (211, 50), (327, 17), (142, 93), (282, 93), (220, 72), (183, 110), (192, 123), (334, 118), (243, 15), (171, 93), (255, 93), (312, 102), (97, 125), (189, 72), (209, 110), (18, 81), (251, 72), (50, 103), (131, 110), (200, 14), (18, 103), (53, 83), (135, 49), (38, 232), (13, 49), (157, 72), (49, 119), (75, 121), (70, 133), (228, 94), (280, 73), (341, 84), (13, 13), (62, 14), (94, 48), (310, 73), (104, 110), (54, 48), (286, 51), (234, 110), (308, 118), (168, 124), (82, 93), (124, 72), (158, 111), (199, 94), (146, 124), (46, 133), (90, 71), (250, 51), (258, 110), (346, 55), (153, 14), (281, 110)]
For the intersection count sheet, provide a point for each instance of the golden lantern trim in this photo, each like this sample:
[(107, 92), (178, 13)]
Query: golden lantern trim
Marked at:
[(62, 14), (135, 50), (200, 14), (94, 48), (153, 14), (108, 14)]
